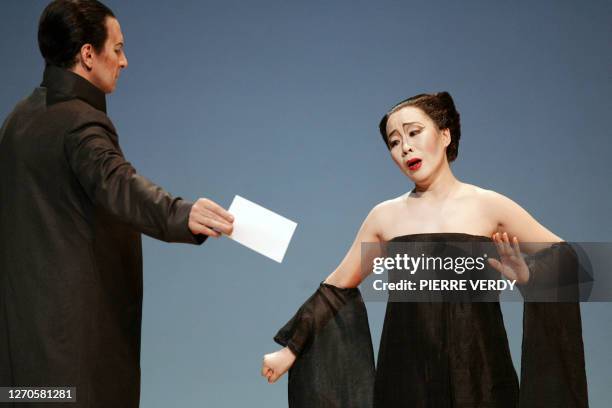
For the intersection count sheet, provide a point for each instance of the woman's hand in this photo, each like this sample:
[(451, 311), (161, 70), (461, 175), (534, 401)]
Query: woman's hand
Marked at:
[(512, 264), (276, 364)]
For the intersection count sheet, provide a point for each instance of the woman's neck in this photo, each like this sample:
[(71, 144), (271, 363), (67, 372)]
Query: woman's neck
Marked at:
[(439, 186)]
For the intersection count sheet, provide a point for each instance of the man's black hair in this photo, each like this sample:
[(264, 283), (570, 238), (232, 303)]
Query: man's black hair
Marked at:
[(66, 25)]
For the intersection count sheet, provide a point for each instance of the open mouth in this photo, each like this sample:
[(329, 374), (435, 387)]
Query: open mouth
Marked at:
[(414, 164)]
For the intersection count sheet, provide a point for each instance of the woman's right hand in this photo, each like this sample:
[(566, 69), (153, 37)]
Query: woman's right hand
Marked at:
[(276, 364)]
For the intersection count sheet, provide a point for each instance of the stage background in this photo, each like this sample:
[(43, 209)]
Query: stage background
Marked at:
[(279, 102)]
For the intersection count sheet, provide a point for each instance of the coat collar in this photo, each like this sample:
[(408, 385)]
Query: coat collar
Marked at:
[(63, 85)]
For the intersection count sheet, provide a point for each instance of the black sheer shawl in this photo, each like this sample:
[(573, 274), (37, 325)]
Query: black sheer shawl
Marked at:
[(330, 335)]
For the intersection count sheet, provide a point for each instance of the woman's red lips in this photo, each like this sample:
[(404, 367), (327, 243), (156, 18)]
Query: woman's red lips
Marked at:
[(414, 163)]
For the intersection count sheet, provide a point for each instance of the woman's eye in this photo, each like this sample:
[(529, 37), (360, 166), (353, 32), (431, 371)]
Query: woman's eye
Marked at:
[(393, 143), (414, 132)]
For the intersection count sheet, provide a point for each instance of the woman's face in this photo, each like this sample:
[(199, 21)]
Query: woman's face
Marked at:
[(416, 144)]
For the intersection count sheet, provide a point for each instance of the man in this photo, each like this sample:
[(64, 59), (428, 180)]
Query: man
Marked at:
[(71, 213)]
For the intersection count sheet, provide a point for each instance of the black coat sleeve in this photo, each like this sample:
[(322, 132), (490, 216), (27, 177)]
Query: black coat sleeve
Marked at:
[(92, 151), (552, 362)]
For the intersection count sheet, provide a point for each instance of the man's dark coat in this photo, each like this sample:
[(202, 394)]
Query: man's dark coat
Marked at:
[(71, 213)]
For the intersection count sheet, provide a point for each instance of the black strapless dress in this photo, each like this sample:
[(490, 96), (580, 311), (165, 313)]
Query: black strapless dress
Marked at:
[(442, 355)]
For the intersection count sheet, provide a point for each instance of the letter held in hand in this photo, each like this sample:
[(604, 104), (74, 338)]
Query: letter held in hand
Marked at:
[(260, 229)]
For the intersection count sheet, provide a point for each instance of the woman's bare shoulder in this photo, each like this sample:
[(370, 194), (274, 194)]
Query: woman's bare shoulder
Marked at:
[(391, 204), (485, 196), (487, 202), (387, 210)]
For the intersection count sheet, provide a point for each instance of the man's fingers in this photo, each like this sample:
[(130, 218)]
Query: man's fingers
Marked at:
[(215, 223), (218, 210), (198, 228), (210, 232), (221, 226)]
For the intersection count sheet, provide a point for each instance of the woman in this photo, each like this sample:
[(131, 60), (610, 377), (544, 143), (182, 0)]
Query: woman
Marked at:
[(444, 354)]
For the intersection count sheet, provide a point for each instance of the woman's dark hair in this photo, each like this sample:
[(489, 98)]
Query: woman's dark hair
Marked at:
[(440, 108), (66, 25)]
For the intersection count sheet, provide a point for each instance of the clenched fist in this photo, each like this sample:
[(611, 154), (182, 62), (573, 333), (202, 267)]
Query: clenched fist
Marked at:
[(209, 218), (276, 364)]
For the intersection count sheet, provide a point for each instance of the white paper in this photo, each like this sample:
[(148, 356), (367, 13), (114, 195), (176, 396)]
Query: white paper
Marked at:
[(260, 229)]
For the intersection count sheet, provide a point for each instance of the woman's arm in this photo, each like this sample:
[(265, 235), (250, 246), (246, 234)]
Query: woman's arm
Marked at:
[(516, 222), (349, 273)]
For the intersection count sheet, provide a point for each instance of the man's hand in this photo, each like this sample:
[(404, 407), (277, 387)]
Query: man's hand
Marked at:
[(209, 218), (276, 364)]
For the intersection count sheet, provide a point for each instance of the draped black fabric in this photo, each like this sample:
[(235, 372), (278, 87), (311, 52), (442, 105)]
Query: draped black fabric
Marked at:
[(443, 354), (331, 336), (552, 364)]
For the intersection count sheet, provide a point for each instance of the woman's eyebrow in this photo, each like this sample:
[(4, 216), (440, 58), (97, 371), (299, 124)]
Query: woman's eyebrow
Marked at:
[(393, 132), (404, 124), (412, 123)]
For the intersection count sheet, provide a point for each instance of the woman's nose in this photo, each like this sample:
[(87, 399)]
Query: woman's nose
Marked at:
[(406, 148)]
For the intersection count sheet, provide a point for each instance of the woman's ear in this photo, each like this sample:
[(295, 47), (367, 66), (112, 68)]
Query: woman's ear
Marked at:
[(446, 137)]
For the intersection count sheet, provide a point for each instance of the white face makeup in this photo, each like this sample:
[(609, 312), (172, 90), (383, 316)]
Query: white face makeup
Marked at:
[(416, 144)]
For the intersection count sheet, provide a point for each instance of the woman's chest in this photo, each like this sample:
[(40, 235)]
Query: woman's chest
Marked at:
[(466, 216)]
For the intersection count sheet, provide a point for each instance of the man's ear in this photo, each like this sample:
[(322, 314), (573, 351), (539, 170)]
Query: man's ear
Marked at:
[(86, 57)]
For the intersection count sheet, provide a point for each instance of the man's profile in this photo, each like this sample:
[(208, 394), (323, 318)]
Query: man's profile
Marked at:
[(71, 216)]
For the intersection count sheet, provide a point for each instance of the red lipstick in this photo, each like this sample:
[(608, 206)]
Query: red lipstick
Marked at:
[(414, 164)]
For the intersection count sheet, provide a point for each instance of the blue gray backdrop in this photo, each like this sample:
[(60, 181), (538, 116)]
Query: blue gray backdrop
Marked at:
[(279, 102)]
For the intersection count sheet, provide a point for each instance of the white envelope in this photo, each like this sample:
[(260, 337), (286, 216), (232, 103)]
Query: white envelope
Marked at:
[(260, 229)]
